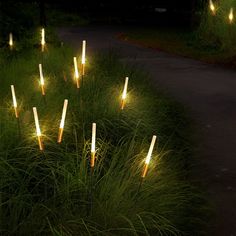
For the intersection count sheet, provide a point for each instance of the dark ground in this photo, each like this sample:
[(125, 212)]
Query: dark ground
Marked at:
[(209, 93)]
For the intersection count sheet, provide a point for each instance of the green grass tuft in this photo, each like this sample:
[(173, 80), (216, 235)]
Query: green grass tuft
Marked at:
[(54, 192)]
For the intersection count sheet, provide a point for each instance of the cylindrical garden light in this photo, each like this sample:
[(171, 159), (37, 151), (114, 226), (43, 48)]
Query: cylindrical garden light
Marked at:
[(231, 15), (76, 72), (93, 151), (43, 39), (124, 94), (212, 7), (62, 123), (11, 41), (148, 158), (38, 131), (14, 100), (83, 56), (41, 79)]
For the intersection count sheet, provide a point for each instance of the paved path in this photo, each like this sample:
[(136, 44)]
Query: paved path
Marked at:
[(210, 93)]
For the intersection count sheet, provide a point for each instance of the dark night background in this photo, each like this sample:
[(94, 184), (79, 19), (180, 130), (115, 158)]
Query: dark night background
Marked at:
[(182, 13)]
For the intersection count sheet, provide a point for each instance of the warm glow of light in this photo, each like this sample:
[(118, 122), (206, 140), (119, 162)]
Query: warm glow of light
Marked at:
[(76, 72), (62, 121), (64, 113), (41, 74), (148, 158), (93, 137), (93, 151), (124, 94), (14, 100), (13, 96), (43, 37), (41, 79), (38, 131), (36, 119), (125, 88), (83, 52), (11, 40), (76, 68), (231, 15), (212, 7)]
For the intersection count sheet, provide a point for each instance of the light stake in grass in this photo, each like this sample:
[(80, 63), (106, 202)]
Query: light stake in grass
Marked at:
[(92, 164), (231, 15), (14, 101), (124, 94), (93, 152), (76, 74), (83, 56), (43, 39), (212, 7), (11, 41), (62, 121), (148, 158), (38, 131), (15, 108), (41, 79)]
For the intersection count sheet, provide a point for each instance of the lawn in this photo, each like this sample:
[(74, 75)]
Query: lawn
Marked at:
[(55, 191)]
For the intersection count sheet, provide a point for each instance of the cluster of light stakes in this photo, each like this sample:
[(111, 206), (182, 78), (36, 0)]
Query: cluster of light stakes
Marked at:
[(64, 110), (42, 41), (213, 10)]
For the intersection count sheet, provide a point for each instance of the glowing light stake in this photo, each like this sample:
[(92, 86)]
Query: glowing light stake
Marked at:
[(124, 94), (62, 121), (14, 100), (92, 162), (148, 158), (11, 40), (83, 56), (41, 79), (231, 15), (38, 131), (212, 7), (76, 72), (43, 39)]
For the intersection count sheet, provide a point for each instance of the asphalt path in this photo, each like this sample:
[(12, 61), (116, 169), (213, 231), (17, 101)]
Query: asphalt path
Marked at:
[(208, 91)]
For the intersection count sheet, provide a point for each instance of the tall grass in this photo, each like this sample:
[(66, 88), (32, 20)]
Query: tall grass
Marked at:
[(215, 31), (54, 192)]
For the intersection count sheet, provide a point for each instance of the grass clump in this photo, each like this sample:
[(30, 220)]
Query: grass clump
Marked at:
[(215, 30), (54, 192), (212, 41)]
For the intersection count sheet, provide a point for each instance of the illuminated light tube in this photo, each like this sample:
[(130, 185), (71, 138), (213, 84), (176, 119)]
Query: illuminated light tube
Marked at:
[(41, 79), (76, 74), (63, 117), (83, 56), (212, 7), (43, 39), (148, 158), (93, 151), (14, 100), (38, 131), (231, 15), (11, 40), (124, 94)]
